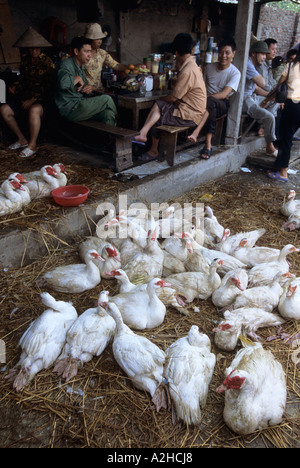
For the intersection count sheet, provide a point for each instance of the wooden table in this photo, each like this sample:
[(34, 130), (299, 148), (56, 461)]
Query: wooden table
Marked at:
[(135, 102)]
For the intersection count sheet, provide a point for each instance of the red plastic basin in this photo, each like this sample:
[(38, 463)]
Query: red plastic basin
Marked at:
[(70, 195)]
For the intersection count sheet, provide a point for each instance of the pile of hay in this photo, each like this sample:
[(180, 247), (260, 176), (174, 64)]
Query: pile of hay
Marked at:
[(100, 407)]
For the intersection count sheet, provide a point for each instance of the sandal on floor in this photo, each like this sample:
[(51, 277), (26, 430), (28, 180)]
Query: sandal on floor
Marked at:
[(142, 143), (277, 176), (27, 153), (146, 157), (205, 153), (16, 146)]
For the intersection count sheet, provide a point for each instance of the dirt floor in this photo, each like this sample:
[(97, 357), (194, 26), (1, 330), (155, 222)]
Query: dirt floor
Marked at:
[(100, 408)]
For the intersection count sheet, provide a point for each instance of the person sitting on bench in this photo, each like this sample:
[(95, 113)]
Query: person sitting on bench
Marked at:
[(253, 103), (222, 80), (30, 95), (74, 98), (185, 106), (265, 70)]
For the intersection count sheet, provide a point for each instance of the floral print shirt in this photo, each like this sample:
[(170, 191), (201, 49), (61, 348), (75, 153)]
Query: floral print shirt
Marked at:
[(94, 68), (36, 78)]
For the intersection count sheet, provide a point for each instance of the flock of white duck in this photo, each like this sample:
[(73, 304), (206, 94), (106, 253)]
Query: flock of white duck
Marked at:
[(245, 283), (18, 190)]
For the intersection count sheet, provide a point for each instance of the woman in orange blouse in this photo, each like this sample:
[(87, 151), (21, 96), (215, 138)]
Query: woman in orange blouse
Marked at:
[(184, 106)]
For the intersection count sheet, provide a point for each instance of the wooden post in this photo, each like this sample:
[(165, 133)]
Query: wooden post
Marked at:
[(242, 38)]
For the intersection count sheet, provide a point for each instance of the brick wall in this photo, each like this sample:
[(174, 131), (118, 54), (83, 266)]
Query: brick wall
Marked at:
[(282, 25)]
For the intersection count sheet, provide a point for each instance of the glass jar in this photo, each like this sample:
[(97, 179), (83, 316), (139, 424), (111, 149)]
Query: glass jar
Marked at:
[(142, 85), (155, 66)]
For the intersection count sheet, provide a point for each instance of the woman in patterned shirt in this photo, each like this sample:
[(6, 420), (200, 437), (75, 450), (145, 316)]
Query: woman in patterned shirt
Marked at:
[(100, 58), (32, 93)]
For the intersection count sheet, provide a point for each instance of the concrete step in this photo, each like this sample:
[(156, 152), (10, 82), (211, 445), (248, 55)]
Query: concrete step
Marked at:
[(260, 159)]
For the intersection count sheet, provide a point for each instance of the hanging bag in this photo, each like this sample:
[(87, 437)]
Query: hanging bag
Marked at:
[(282, 91)]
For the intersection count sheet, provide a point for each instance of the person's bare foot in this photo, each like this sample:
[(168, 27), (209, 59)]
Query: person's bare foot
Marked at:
[(142, 138), (261, 131), (192, 138)]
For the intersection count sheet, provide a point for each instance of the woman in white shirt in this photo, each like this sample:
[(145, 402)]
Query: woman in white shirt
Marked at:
[(290, 120)]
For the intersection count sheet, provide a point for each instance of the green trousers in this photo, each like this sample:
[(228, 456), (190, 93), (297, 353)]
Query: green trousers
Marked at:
[(101, 108)]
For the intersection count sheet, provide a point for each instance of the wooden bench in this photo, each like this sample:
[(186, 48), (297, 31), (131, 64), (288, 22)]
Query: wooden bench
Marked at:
[(121, 139), (169, 136)]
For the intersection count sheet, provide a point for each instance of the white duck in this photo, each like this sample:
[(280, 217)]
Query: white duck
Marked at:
[(197, 285), (177, 245), (91, 243), (167, 295), (171, 265), (138, 214), (200, 236), (212, 227), (42, 185), (121, 228), (112, 260), (129, 247), (21, 189), (264, 273), (255, 255), (62, 174), (24, 193), (289, 303), (142, 309), (230, 263), (103, 231), (290, 205), (230, 242), (244, 321), (173, 221), (188, 370), (255, 389), (232, 284), (148, 263), (197, 262), (293, 222), (138, 357), (264, 297), (88, 337), (125, 285), (43, 341), (188, 213), (106, 250), (19, 178), (75, 278), (11, 199)]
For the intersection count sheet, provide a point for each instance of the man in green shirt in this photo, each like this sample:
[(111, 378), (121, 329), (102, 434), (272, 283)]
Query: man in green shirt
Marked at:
[(74, 98)]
